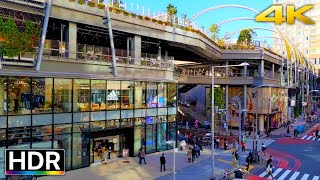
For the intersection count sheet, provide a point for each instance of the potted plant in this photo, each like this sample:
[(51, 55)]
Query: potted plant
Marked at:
[(154, 20), (160, 22), (116, 10), (72, 0), (146, 18), (140, 17), (101, 6), (91, 3), (132, 15), (81, 2), (172, 11), (143, 62), (125, 13)]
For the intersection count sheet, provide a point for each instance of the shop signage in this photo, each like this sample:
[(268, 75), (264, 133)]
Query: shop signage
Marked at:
[(112, 96)]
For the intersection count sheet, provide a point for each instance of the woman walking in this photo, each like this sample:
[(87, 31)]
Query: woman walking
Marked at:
[(269, 170), (189, 154)]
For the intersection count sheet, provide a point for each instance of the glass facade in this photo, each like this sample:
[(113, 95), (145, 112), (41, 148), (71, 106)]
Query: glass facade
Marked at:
[(69, 113)]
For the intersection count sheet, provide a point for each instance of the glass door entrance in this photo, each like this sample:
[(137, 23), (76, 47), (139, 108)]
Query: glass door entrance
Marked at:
[(107, 148)]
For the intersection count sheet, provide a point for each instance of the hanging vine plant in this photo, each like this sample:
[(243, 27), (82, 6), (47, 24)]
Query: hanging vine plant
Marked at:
[(14, 41)]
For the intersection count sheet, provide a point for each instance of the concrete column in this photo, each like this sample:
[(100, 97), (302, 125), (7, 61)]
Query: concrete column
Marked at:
[(245, 71), (244, 105), (166, 55), (272, 69), (261, 68), (128, 47), (227, 69), (2, 97), (72, 40), (261, 123), (136, 48), (159, 54)]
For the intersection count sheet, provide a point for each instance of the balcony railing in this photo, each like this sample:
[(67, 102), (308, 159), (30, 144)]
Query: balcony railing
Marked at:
[(219, 72), (97, 54)]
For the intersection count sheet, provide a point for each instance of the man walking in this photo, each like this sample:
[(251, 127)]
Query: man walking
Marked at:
[(162, 163), (142, 156)]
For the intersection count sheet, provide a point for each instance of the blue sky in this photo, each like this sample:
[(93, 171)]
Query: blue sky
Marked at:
[(191, 7)]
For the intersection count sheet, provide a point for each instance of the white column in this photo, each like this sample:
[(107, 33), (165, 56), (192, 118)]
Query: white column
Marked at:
[(244, 106), (72, 38), (227, 69), (272, 69), (261, 123), (227, 104), (136, 48), (261, 68)]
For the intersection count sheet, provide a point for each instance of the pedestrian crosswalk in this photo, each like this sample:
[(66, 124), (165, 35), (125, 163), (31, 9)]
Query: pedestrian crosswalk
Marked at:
[(312, 138), (285, 174)]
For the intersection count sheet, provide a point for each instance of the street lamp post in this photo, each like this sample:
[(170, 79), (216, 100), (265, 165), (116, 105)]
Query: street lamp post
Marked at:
[(174, 157), (212, 111)]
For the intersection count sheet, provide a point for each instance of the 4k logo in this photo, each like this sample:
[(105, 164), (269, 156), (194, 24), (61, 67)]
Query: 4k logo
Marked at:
[(291, 14)]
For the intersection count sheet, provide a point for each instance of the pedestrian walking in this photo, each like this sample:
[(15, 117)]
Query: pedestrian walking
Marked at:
[(314, 133), (194, 152), (142, 156), (288, 130), (162, 163), (263, 149), (248, 162), (189, 154), (235, 163), (218, 143), (225, 144), (200, 149), (270, 170), (236, 155), (243, 146), (197, 148), (317, 133)]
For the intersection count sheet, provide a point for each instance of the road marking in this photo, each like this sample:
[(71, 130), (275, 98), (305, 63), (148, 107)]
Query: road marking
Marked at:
[(315, 178), (225, 161), (304, 136), (263, 174), (227, 151), (294, 176), (305, 177), (309, 137), (314, 138), (284, 175), (276, 172)]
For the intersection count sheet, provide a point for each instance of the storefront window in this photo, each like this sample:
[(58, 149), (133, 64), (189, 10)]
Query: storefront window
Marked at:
[(63, 141), (19, 137), (42, 99), (140, 90), (3, 143), (98, 95), (172, 118), (139, 121), (113, 94), (113, 124), (151, 138), (80, 150), (3, 97), (127, 88), (139, 138), (162, 119), (172, 94), (81, 95), (98, 125), (172, 132), (151, 120), (62, 95), (162, 136), (126, 122), (162, 94), (20, 97), (42, 137), (152, 95)]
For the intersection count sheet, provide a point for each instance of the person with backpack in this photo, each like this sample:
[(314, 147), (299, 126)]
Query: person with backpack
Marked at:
[(269, 170)]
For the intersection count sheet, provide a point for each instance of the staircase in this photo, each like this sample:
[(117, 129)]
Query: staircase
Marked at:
[(186, 88), (192, 112)]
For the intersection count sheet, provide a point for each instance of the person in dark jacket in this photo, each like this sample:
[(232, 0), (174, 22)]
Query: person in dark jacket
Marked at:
[(193, 154), (162, 163), (238, 173)]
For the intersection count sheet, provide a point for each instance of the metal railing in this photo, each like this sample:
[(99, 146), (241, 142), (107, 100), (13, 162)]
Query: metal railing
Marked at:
[(219, 72)]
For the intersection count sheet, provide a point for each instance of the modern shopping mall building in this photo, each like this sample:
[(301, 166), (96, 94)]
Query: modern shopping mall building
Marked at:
[(68, 94)]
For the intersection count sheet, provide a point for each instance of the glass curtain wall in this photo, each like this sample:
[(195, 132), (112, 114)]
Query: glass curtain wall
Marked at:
[(81, 95), (162, 94), (172, 94), (140, 90), (98, 95), (152, 97), (3, 123), (113, 94), (162, 133), (127, 88)]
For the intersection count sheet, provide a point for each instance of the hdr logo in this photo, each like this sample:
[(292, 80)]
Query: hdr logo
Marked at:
[(35, 162)]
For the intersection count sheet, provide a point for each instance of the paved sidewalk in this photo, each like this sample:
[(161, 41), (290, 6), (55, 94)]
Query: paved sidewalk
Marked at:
[(121, 169)]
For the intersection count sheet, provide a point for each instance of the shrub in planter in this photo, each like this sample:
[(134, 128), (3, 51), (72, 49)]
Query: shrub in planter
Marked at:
[(146, 18), (143, 62), (166, 23), (81, 2), (122, 11), (140, 17), (116, 10), (132, 15), (160, 22), (187, 29), (111, 9), (125, 13), (193, 30), (91, 3), (154, 20), (182, 27), (72, 0), (101, 6)]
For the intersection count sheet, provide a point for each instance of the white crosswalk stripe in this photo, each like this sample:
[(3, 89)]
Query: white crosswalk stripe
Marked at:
[(314, 138), (309, 137), (285, 174), (304, 136), (294, 176)]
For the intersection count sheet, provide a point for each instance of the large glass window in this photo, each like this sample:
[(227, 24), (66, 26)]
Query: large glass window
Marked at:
[(172, 94), (113, 124), (113, 94), (140, 90), (3, 96), (127, 88), (3, 143), (98, 95), (162, 95), (63, 141), (62, 95), (152, 95), (126, 122), (42, 99), (19, 137), (150, 138), (42, 137), (81, 95), (162, 136), (20, 96), (80, 150)]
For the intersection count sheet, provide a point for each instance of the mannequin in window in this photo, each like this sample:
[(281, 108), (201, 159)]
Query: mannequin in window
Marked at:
[(13, 99)]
